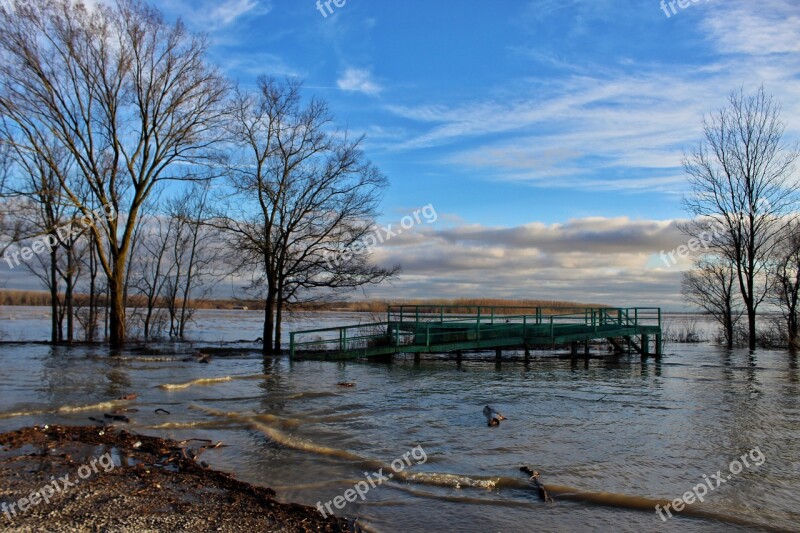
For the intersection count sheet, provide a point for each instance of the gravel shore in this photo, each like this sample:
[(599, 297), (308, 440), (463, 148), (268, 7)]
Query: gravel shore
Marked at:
[(80, 479)]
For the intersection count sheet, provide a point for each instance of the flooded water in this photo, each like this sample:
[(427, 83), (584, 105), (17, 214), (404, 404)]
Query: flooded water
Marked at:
[(651, 432)]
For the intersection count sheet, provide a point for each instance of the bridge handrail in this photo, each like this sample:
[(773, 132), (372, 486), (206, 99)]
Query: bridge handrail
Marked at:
[(588, 316)]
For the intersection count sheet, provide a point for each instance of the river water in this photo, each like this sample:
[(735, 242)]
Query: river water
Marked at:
[(610, 437)]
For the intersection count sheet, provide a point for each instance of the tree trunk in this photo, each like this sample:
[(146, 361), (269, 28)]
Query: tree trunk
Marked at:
[(116, 319), (94, 299), (269, 317), (68, 295), (278, 319), (54, 303), (751, 326)]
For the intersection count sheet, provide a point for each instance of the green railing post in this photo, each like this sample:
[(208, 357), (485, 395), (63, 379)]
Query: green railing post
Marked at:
[(291, 344), (428, 336), (417, 315), (342, 340), (441, 314)]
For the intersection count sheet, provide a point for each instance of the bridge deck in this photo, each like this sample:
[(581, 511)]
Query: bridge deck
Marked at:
[(441, 329)]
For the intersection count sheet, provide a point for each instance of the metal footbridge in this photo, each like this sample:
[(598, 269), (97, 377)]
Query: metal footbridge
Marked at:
[(446, 328)]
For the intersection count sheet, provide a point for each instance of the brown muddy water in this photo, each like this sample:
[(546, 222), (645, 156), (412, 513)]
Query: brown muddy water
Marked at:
[(611, 438)]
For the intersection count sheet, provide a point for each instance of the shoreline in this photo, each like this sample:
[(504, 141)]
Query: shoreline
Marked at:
[(85, 478)]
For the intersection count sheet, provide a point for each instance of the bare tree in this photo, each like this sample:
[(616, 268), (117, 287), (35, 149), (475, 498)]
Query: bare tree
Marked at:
[(196, 252), (301, 190), (786, 279), (151, 268), (741, 176), (9, 222), (710, 285), (129, 95), (45, 221)]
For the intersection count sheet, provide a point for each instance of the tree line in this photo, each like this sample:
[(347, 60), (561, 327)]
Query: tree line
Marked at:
[(744, 205), (114, 108)]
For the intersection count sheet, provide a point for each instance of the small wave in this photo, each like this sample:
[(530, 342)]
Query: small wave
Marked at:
[(448, 480), (282, 438), (205, 424), (200, 381), (66, 409), (102, 406), (23, 413)]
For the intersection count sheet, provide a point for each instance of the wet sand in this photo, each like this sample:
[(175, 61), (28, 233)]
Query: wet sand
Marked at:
[(152, 484)]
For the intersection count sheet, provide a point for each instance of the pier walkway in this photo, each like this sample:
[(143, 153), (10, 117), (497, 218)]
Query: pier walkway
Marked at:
[(442, 329)]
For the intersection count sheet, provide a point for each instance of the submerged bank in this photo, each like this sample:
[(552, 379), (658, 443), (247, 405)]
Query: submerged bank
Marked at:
[(91, 478)]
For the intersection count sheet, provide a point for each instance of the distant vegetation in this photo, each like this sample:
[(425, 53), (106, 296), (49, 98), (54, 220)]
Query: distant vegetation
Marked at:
[(42, 298), (463, 305)]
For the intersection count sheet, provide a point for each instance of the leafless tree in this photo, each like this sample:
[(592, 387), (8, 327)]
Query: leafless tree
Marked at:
[(150, 269), (742, 178), (786, 281), (127, 94), (302, 190), (197, 249), (48, 226), (9, 222), (710, 285)]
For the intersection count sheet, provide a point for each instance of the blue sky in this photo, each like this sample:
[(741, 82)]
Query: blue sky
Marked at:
[(547, 134)]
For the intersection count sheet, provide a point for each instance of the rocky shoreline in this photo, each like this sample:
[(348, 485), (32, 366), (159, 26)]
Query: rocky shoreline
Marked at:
[(63, 478)]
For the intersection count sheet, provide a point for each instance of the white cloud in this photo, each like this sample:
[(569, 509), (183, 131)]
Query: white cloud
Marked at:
[(617, 128), (358, 80), (227, 12), (208, 15), (756, 28), (594, 259)]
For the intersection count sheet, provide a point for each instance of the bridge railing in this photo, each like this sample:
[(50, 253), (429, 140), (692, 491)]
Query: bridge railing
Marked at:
[(481, 313), (419, 326), (360, 337), (623, 316)]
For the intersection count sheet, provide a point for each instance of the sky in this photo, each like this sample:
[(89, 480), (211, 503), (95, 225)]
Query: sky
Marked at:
[(546, 135)]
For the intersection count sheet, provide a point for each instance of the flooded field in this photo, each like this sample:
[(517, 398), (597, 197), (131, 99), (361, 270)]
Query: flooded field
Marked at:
[(611, 438)]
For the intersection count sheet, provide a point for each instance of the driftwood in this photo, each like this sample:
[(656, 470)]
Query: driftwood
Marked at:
[(540, 489)]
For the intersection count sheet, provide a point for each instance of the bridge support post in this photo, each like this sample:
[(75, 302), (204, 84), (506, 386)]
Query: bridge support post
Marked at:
[(417, 357), (498, 355), (458, 357), (586, 348), (574, 349), (658, 347), (645, 346)]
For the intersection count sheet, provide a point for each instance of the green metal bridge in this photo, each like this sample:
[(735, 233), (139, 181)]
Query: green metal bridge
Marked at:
[(445, 328)]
